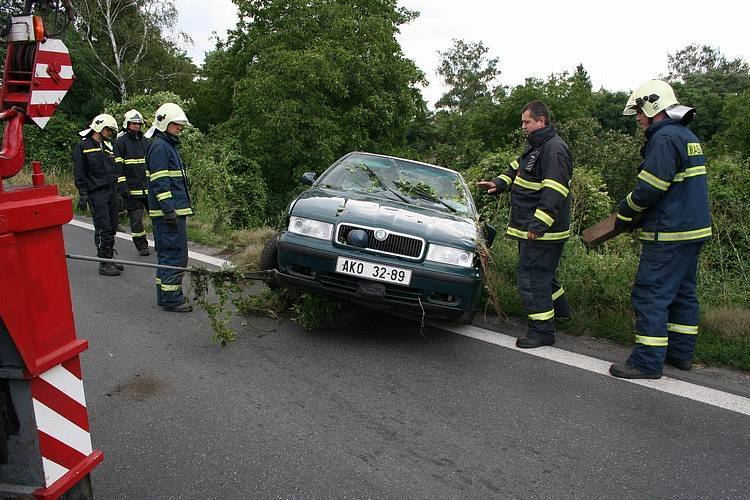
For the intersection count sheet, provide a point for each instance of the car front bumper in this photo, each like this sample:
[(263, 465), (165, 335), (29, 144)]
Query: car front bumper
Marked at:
[(310, 264)]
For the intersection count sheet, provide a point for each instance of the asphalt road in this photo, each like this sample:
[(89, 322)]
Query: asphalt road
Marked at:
[(370, 407)]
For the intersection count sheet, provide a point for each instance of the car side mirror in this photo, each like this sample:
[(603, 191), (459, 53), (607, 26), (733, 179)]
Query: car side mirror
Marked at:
[(308, 178), (489, 233)]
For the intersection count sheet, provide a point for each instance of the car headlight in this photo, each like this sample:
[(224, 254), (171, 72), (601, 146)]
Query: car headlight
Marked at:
[(310, 227), (450, 255)]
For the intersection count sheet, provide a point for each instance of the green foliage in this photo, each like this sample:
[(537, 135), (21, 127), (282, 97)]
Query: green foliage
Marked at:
[(468, 73), (226, 283), (728, 253), (590, 202), (53, 145), (735, 133), (227, 188), (147, 104), (325, 78), (612, 154), (312, 310)]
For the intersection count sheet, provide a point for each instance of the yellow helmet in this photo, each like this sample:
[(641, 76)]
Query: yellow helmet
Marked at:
[(652, 97), (132, 116), (99, 123)]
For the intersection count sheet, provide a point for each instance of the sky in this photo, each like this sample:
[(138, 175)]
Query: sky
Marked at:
[(621, 44)]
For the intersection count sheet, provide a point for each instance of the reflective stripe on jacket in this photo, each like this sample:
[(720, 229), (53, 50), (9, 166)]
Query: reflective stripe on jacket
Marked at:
[(130, 154), (168, 185), (539, 184), (672, 188), (94, 165)]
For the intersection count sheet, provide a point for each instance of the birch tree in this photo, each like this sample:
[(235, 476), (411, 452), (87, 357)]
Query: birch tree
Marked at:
[(120, 33)]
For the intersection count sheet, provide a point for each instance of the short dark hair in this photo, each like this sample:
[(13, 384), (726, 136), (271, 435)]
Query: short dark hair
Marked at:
[(538, 109)]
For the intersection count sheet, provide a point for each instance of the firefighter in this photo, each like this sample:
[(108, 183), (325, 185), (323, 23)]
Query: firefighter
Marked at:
[(539, 184), (100, 185), (130, 155), (670, 202), (169, 204)]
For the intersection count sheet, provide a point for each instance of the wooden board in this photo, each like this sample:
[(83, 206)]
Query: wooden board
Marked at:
[(601, 231)]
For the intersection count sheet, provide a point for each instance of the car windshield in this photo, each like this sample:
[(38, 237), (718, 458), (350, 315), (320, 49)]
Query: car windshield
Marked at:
[(393, 178)]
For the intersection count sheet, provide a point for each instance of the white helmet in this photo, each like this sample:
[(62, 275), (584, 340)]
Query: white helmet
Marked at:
[(99, 123), (132, 116), (652, 97), (166, 114)]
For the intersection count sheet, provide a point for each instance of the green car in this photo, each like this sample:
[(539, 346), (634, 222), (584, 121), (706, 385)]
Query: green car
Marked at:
[(385, 232)]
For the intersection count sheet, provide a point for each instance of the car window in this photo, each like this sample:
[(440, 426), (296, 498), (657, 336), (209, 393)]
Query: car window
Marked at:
[(423, 185)]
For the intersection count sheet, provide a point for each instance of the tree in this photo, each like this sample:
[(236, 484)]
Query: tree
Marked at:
[(119, 35), (704, 79), (315, 79), (469, 74)]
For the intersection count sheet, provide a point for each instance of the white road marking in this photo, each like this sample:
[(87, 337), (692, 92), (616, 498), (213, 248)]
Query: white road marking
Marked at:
[(206, 259), (669, 385)]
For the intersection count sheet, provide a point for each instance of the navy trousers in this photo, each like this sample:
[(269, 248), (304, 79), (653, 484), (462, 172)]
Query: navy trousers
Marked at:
[(103, 203), (665, 303), (542, 296), (171, 250), (137, 207)]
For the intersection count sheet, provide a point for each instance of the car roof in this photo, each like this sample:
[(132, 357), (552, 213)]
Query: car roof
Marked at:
[(404, 159)]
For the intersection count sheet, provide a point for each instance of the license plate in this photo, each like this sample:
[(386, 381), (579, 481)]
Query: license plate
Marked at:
[(371, 271)]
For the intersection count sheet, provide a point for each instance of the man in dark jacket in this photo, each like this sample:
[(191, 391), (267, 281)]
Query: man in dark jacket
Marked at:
[(100, 185), (169, 204), (670, 202), (130, 155), (539, 184)]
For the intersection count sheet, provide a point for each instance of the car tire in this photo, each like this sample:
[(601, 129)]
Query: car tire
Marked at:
[(269, 260)]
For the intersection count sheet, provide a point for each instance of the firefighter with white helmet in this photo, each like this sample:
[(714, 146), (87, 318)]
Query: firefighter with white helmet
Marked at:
[(169, 204), (130, 154), (670, 204), (100, 183)]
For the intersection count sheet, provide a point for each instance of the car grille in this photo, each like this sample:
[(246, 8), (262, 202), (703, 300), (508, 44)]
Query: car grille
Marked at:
[(394, 244), (349, 284)]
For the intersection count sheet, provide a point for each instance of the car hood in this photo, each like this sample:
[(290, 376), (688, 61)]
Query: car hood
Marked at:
[(351, 208)]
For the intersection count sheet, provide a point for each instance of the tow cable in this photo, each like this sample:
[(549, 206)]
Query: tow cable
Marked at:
[(249, 275)]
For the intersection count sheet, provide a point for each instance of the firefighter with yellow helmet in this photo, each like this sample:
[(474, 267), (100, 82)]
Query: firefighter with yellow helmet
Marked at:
[(670, 204), (100, 183), (169, 204)]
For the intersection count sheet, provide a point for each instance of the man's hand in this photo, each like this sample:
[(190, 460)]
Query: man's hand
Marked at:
[(532, 235), (83, 202), (170, 218), (488, 186)]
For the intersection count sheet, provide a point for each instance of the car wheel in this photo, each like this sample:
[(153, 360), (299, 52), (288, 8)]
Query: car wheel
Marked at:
[(269, 260)]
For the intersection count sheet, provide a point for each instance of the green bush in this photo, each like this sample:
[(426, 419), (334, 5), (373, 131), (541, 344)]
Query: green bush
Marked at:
[(53, 145), (227, 188), (146, 104)]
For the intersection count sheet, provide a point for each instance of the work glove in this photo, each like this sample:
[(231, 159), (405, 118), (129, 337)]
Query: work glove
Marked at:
[(628, 226), (170, 218), (120, 203), (83, 202)]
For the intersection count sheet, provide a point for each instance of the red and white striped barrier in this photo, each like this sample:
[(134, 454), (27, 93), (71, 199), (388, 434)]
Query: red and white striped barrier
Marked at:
[(61, 419)]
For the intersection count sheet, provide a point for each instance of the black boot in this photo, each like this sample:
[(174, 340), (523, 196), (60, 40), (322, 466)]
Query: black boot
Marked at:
[(119, 267), (682, 364), (142, 246), (179, 308), (106, 268), (530, 343), (626, 370)]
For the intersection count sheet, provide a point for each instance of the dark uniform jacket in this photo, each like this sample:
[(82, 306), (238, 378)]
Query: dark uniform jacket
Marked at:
[(94, 166), (672, 189), (539, 183), (168, 186), (130, 155)]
